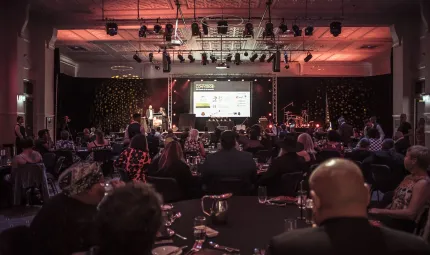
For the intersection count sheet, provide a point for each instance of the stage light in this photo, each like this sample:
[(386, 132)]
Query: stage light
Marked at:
[(191, 58), (270, 102), (222, 66), (308, 57), (243, 80), (204, 59), (269, 80), (174, 102), (175, 80), (168, 32), (228, 58), (215, 80), (297, 31), (174, 126), (188, 79), (270, 126), (272, 57), (222, 27), (287, 66), (254, 57), (309, 31), (175, 89), (268, 31), (317, 125), (245, 54), (174, 114), (228, 80), (249, 30), (157, 67), (205, 27), (285, 57), (111, 28), (336, 28), (157, 29), (195, 29), (262, 57), (142, 31), (137, 58), (237, 58), (270, 114), (255, 80), (283, 28), (181, 58), (213, 58), (201, 80), (151, 57)]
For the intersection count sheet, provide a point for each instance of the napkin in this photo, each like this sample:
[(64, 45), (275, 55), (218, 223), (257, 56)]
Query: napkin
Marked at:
[(211, 232), (283, 200)]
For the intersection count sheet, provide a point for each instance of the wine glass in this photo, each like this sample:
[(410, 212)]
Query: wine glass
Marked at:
[(200, 228), (290, 224), (262, 194)]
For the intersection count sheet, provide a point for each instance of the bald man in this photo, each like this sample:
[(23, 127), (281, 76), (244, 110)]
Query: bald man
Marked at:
[(340, 211)]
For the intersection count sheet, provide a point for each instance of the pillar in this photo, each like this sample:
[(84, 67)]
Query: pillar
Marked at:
[(425, 54)]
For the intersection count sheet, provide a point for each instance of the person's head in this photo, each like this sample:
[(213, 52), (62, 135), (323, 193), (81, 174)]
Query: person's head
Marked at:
[(398, 135), (86, 132), (387, 144), (373, 133), (158, 129), (161, 109), (27, 144), (402, 117), (241, 132), (253, 135), (234, 129), (93, 129), (150, 107), (333, 136), (308, 143), (368, 123), (100, 137), (20, 119), (137, 117), (417, 159), (341, 120), (42, 134), (171, 154), (64, 135), (206, 129), (194, 134), (169, 131), (187, 129), (129, 219), (373, 119), (153, 131), (421, 122), (338, 190), (364, 144), (290, 144), (228, 140), (83, 181), (138, 142), (284, 127)]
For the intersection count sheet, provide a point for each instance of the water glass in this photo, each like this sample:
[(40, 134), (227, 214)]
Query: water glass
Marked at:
[(309, 211), (262, 194), (256, 160), (301, 199), (290, 224), (199, 228)]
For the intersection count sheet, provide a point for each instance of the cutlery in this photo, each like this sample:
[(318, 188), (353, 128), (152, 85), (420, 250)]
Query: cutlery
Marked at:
[(196, 247), (177, 250), (224, 248), (171, 232), (172, 219)]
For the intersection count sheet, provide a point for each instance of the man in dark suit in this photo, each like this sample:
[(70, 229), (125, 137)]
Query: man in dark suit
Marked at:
[(361, 152), (402, 143), (229, 163), (150, 116), (346, 131), (340, 210)]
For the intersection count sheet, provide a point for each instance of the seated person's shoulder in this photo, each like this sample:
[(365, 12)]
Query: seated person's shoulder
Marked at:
[(294, 241), (406, 242)]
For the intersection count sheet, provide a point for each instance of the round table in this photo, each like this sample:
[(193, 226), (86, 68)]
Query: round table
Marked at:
[(250, 224)]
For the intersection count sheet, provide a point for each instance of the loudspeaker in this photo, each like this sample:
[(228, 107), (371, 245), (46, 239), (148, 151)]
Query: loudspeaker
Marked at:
[(186, 120), (276, 63)]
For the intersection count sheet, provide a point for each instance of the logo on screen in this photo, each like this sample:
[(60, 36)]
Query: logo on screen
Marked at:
[(205, 86)]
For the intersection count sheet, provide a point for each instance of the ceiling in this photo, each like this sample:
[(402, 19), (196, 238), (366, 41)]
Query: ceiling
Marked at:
[(82, 37)]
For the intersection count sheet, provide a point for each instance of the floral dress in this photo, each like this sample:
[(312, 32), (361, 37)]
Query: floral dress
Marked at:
[(403, 193), (133, 162), (192, 146)]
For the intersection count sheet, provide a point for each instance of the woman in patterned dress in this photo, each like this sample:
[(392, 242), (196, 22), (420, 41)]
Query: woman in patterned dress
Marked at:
[(135, 159), (412, 195), (193, 144)]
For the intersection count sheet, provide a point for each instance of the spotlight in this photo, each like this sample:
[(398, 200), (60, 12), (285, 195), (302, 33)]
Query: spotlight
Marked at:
[(191, 58), (308, 57), (228, 58), (268, 31), (151, 57), (222, 27), (237, 58), (271, 58), (249, 30), (142, 31), (205, 27), (213, 58), (168, 32), (111, 28), (243, 80), (297, 31), (336, 28), (254, 57), (188, 79), (285, 57), (181, 58), (228, 80), (262, 58), (166, 62), (137, 58), (309, 30), (246, 54), (157, 29), (195, 29), (157, 67), (283, 28), (204, 59), (222, 66), (287, 66)]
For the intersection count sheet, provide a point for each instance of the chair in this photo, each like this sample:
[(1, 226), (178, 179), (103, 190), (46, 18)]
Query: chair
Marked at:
[(382, 179), (263, 156), (68, 157), (49, 160), (422, 223), (29, 176), (117, 148), (52, 177), (233, 185), (325, 155), (104, 157), (168, 187), (290, 183)]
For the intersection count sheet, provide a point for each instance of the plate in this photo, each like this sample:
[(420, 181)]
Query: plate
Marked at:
[(164, 250)]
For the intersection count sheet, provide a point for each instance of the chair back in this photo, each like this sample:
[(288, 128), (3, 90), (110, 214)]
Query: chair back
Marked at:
[(49, 160), (328, 154), (422, 223), (263, 156), (233, 185), (168, 187), (383, 179), (290, 183), (27, 176), (102, 155), (68, 156), (58, 166), (117, 148)]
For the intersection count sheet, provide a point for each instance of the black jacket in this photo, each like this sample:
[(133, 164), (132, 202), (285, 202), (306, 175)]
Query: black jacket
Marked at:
[(402, 145), (358, 155)]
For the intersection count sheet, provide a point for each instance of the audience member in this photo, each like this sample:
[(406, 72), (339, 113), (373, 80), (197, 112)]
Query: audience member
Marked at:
[(287, 162), (405, 127), (206, 137), (193, 145), (19, 133), (158, 132), (346, 131), (253, 144), (308, 152), (86, 138), (170, 137), (402, 143), (412, 195), (361, 152), (340, 210), (420, 133), (333, 142), (100, 143), (153, 143), (374, 139), (377, 127), (28, 155), (42, 143), (129, 220), (171, 164), (64, 143), (135, 159), (134, 128), (283, 131), (16, 241)]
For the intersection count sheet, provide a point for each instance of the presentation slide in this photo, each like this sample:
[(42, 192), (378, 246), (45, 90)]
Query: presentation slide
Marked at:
[(221, 99)]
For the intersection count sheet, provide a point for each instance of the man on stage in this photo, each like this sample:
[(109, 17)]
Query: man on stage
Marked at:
[(150, 116), (165, 123)]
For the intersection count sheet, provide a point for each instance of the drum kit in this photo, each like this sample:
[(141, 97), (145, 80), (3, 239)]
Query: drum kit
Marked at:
[(295, 120)]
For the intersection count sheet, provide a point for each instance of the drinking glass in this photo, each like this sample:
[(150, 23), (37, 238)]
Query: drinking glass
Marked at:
[(301, 199), (290, 224), (262, 194), (200, 228), (309, 211), (256, 160)]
